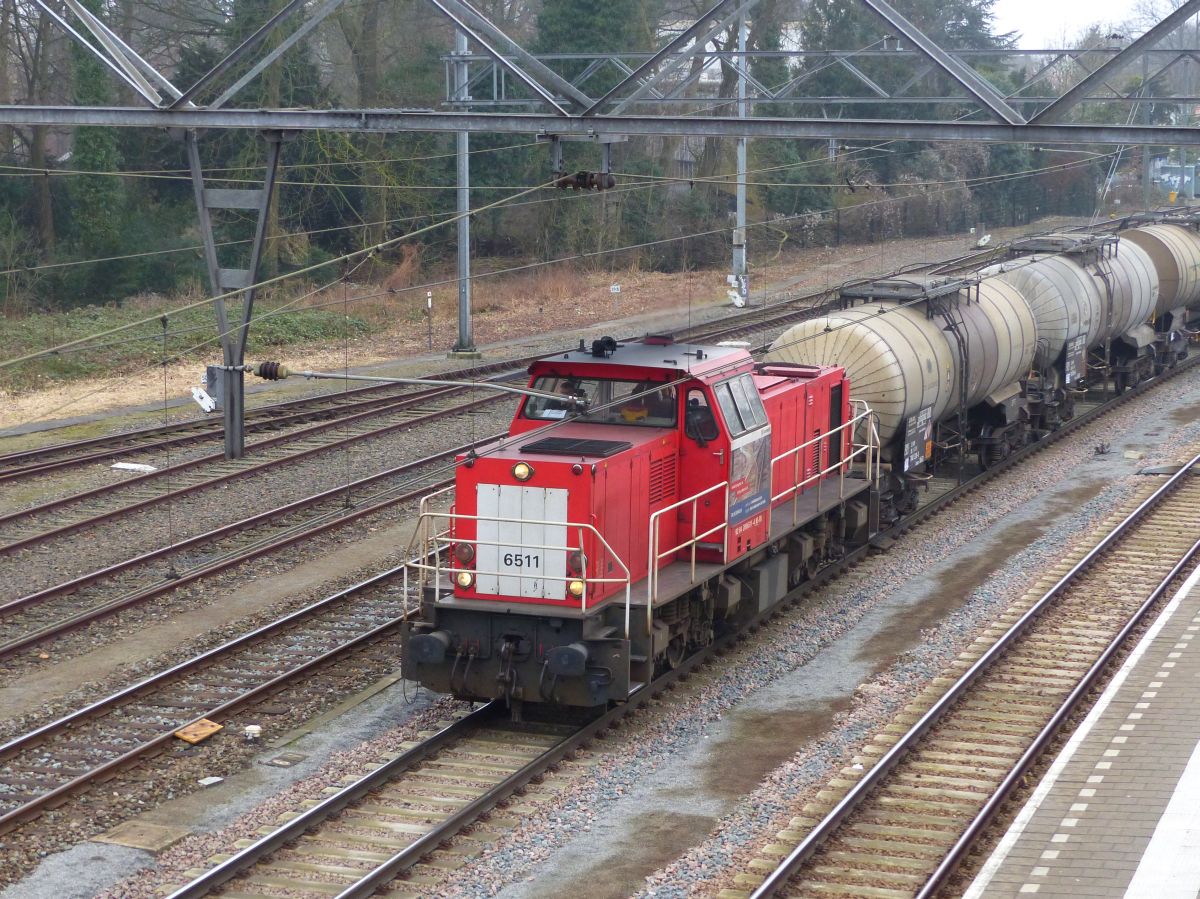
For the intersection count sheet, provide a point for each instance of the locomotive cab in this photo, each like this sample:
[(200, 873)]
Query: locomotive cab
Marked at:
[(592, 545)]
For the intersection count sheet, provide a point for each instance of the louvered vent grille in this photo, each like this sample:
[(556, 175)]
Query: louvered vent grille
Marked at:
[(662, 479)]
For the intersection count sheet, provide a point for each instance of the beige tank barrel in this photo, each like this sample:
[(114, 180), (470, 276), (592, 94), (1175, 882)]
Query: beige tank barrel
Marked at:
[(1062, 296), (1175, 253), (896, 358)]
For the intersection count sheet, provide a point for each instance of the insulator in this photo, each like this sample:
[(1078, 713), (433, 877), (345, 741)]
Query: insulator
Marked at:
[(586, 181), (271, 371)]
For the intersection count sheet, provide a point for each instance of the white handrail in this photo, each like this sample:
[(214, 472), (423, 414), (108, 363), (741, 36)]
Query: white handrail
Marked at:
[(432, 552), (656, 556), (867, 450)]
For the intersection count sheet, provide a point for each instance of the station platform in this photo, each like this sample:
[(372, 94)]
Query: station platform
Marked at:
[(1118, 812)]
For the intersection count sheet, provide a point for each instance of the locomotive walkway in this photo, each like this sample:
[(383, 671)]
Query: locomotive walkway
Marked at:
[(1118, 813)]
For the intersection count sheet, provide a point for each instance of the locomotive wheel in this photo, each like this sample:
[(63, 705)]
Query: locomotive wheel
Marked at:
[(811, 566), (675, 652)]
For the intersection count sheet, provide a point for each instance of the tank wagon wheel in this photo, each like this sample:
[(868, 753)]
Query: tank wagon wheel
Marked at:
[(1120, 382)]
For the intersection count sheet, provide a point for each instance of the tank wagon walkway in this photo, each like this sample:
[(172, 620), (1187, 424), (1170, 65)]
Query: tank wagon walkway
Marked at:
[(1118, 813)]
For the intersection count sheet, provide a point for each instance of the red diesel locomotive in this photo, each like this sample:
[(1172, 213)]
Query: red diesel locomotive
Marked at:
[(647, 495)]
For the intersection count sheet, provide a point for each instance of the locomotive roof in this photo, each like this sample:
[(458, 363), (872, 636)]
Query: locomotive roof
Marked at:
[(654, 353)]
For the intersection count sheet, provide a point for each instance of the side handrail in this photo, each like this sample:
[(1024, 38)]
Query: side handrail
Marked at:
[(429, 560), (426, 539), (693, 541), (867, 451)]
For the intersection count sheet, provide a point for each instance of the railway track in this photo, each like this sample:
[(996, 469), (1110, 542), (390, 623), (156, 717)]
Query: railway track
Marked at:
[(58, 610), (44, 767), (899, 819), (378, 398), (69, 514), (384, 823)]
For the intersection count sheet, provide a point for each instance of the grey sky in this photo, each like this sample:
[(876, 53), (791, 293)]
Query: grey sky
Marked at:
[(1045, 23)]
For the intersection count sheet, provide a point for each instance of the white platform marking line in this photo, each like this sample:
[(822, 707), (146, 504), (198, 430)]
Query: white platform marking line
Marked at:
[(1170, 866), (998, 857)]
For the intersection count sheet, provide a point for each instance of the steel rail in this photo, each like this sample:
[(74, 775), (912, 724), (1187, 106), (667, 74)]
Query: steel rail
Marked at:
[(872, 779), (343, 798), (412, 853), (990, 809), (74, 622), (498, 369), (379, 405), (98, 708), (84, 580), (240, 472)]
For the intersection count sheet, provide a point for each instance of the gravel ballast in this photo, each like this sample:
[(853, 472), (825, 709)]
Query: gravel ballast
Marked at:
[(658, 812)]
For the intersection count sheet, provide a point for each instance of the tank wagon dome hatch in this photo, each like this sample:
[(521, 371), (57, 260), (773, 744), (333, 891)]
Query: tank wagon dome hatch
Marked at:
[(919, 343), (1084, 246)]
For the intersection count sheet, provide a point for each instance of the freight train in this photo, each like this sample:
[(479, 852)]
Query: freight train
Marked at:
[(650, 495)]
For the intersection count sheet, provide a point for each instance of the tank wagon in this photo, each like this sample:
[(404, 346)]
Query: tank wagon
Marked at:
[(988, 363), (673, 490)]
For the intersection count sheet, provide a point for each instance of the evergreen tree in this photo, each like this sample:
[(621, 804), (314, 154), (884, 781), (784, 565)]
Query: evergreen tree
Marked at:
[(98, 208)]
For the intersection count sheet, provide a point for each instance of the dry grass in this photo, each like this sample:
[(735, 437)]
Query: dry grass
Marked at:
[(509, 308)]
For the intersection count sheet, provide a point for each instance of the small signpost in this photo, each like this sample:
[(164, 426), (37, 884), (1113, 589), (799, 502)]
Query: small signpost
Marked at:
[(1075, 360), (918, 438)]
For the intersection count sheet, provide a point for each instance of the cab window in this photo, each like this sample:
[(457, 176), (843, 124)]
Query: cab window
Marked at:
[(740, 405), (699, 423), (608, 401)]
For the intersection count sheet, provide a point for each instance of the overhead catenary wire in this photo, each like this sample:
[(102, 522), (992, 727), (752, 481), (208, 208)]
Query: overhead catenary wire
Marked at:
[(345, 257), (558, 198), (644, 181), (802, 216)]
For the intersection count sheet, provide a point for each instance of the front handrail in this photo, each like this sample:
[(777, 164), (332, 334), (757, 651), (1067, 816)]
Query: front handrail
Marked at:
[(428, 561)]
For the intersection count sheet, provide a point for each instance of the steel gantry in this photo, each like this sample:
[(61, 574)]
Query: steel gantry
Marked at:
[(499, 87)]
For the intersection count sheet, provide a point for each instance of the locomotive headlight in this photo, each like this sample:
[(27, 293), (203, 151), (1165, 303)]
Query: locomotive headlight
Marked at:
[(522, 471), (575, 588), (465, 553), (464, 578)]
